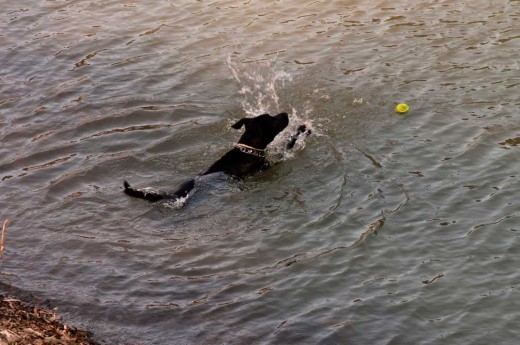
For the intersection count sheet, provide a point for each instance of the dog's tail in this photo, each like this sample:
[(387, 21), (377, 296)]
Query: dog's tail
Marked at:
[(145, 193), (153, 195)]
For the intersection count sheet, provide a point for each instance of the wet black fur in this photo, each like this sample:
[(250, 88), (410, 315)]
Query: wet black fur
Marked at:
[(259, 132)]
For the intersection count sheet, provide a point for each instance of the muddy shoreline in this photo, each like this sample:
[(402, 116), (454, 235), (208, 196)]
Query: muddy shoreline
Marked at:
[(26, 323)]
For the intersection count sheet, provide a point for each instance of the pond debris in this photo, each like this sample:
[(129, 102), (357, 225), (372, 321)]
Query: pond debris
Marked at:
[(371, 158), (372, 229), (2, 240), (357, 101), (21, 323), (511, 142), (429, 281)]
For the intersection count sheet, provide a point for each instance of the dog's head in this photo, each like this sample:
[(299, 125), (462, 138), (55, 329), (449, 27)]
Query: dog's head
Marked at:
[(261, 130)]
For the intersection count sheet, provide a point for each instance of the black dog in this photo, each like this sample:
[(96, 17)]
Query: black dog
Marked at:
[(246, 158)]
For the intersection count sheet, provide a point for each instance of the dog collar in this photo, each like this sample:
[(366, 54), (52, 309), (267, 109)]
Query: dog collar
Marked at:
[(250, 150)]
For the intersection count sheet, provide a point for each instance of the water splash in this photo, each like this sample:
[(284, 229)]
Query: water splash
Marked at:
[(177, 203), (259, 84), (277, 150)]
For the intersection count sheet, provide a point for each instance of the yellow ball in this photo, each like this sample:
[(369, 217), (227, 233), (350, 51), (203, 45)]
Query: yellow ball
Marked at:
[(402, 108)]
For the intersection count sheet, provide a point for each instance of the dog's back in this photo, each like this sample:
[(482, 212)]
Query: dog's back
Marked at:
[(246, 158)]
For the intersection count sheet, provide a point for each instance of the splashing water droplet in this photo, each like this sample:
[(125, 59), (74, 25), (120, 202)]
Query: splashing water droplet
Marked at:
[(258, 84)]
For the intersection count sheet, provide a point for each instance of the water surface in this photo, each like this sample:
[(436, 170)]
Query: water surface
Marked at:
[(381, 229)]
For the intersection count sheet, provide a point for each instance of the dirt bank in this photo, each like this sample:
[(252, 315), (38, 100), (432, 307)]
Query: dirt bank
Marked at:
[(22, 323)]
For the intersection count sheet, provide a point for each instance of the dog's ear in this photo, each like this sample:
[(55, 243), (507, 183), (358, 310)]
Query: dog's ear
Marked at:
[(240, 123)]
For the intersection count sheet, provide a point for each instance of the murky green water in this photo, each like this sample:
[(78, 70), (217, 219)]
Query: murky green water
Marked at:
[(383, 229)]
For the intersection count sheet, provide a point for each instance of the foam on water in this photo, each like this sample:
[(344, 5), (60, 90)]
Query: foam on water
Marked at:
[(176, 203)]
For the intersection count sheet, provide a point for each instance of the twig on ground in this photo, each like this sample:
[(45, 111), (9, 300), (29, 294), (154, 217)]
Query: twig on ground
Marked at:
[(2, 241)]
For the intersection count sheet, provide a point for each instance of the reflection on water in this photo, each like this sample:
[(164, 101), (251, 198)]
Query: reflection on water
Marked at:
[(377, 225)]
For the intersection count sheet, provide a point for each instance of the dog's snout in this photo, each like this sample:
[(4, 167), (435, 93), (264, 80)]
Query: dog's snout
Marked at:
[(283, 118)]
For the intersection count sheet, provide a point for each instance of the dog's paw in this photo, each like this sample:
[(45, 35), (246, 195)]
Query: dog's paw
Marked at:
[(301, 134), (303, 129)]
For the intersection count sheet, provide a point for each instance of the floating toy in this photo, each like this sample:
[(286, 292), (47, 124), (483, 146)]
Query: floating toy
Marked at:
[(402, 108)]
